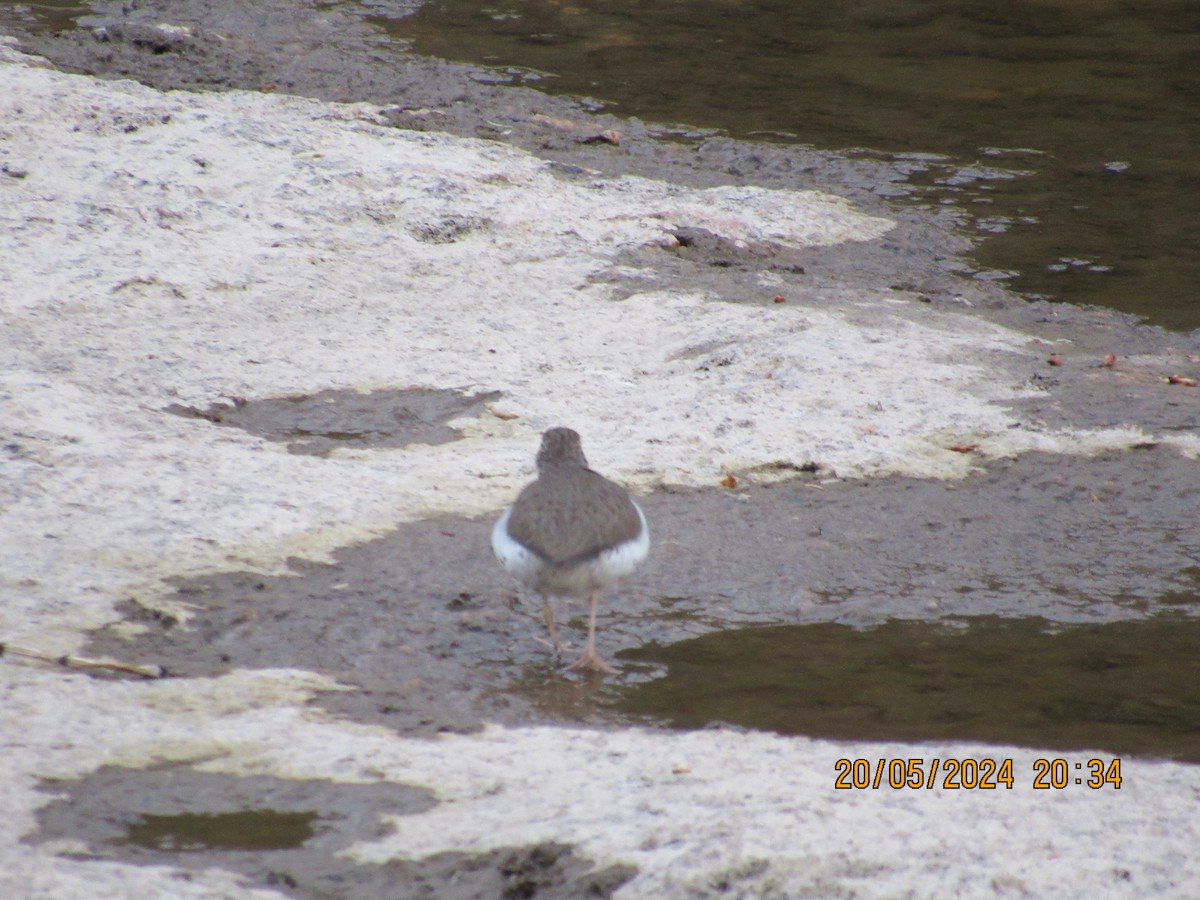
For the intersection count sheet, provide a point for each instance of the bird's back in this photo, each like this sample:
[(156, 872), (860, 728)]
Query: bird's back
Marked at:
[(573, 516)]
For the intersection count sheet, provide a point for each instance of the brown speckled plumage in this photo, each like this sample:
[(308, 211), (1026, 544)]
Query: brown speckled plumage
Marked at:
[(571, 514)]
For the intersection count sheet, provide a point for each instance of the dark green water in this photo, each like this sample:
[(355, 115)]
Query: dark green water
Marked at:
[(54, 15), (251, 829), (1099, 102), (1122, 687)]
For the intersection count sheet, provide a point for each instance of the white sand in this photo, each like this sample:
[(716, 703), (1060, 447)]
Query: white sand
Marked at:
[(186, 248)]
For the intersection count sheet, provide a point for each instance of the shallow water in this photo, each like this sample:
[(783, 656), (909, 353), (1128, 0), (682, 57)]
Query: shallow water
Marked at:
[(1097, 103), (1127, 688), (250, 829)]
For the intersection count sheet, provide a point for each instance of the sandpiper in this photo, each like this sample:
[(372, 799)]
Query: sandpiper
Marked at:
[(571, 533)]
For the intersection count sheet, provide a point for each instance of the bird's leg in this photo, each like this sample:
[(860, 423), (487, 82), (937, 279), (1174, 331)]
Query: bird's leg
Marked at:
[(589, 658), (548, 615)]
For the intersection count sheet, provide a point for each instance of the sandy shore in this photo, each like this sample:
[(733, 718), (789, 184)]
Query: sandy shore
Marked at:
[(204, 253)]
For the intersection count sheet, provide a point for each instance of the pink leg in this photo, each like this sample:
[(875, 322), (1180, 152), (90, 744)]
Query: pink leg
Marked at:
[(590, 659), (548, 616)]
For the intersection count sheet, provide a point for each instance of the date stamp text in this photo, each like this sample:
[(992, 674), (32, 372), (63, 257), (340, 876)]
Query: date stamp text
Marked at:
[(974, 774)]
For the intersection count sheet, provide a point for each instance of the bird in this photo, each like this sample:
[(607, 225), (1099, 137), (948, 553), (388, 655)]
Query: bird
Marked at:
[(571, 533)]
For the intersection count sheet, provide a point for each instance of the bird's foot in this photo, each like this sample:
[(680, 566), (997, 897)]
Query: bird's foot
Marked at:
[(589, 659), (556, 646)]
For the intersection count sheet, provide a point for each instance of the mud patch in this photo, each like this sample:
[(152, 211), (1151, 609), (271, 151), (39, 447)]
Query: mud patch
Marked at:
[(432, 636), (1084, 390), (703, 246), (289, 836), (418, 622), (1128, 688), (317, 424)]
